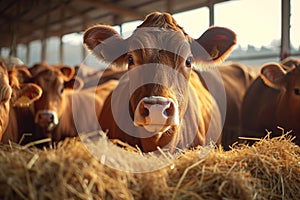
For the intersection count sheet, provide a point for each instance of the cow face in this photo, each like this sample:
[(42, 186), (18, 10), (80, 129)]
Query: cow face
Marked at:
[(286, 78), (53, 81), (159, 56)]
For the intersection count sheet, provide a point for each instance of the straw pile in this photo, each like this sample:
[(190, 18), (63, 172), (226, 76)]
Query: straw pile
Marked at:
[(270, 169)]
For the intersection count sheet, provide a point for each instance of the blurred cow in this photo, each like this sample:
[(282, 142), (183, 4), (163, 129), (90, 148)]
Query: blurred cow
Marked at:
[(236, 78), (63, 109), (273, 100), (160, 102), (15, 99)]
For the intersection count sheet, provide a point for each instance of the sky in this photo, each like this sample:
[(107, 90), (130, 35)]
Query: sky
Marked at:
[(256, 22)]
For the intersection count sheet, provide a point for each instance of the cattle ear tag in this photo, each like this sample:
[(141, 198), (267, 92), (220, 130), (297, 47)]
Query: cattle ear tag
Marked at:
[(214, 53), (28, 95), (23, 101)]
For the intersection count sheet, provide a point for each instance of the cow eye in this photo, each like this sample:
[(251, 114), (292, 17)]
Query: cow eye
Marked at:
[(188, 62), (297, 91), (61, 89), (130, 60)]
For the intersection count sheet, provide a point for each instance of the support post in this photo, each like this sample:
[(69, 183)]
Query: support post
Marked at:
[(27, 53), (83, 51), (61, 49), (43, 51), (61, 44), (211, 8), (285, 50), (44, 37), (121, 29)]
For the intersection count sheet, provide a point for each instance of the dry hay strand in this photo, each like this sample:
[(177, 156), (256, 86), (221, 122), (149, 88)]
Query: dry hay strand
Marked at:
[(270, 169)]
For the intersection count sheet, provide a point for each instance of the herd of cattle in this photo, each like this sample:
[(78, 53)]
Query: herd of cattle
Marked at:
[(162, 98)]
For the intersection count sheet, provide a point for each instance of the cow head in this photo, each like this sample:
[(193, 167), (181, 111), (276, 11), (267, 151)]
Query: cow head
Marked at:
[(14, 93), (159, 54), (285, 77), (53, 80)]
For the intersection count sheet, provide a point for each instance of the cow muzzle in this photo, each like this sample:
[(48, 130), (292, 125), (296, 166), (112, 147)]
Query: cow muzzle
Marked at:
[(156, 114), (46, 119)]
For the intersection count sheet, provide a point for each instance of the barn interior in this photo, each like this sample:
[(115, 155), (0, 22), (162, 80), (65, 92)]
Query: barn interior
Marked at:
[(67, 170), (25, 21)]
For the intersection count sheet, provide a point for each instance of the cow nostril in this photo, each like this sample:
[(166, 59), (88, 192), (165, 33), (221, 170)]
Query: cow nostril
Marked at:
[(169, 111), (51, 118), (45, 117), (144, 111)]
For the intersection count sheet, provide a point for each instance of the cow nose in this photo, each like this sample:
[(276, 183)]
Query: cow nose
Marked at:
[(156, 113), (46, 119)]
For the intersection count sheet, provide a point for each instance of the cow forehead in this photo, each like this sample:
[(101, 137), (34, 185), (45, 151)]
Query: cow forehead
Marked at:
[(159, 38), (48, 77), (297, 76)]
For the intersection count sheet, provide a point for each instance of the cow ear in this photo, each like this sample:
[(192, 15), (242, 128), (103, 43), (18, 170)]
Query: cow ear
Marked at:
[(105, 43), (68, 72), (27, 94), (273, 75), (75, 83), (22, 73), (290, 63), (214, 45)]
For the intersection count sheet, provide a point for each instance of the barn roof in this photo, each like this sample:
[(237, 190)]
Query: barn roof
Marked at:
[(22, 21)]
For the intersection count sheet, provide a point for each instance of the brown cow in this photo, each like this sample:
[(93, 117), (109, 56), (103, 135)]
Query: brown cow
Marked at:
[(15, 98), (160, 102), (273, 100), (63, 109), (236, 78)]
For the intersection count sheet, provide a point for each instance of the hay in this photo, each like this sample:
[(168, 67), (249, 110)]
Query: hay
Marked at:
[(270, 169)]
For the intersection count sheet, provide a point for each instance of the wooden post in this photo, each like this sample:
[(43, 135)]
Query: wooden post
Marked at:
[(285, 50), (121, 29), (27, 53), (61, 44), (43, 50), (84, 26), (13, 44), (211, 8), (61, 49), (44, 37)]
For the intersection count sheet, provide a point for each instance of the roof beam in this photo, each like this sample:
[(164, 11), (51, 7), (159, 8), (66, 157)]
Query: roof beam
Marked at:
[(20, 21), (115, 9), (76, 13)]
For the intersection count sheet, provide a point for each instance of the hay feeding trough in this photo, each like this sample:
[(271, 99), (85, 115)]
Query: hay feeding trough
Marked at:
[(270, 169)]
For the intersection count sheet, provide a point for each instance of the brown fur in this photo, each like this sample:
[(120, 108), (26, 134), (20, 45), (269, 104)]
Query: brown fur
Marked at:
[(5, 95), (235, 78)]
